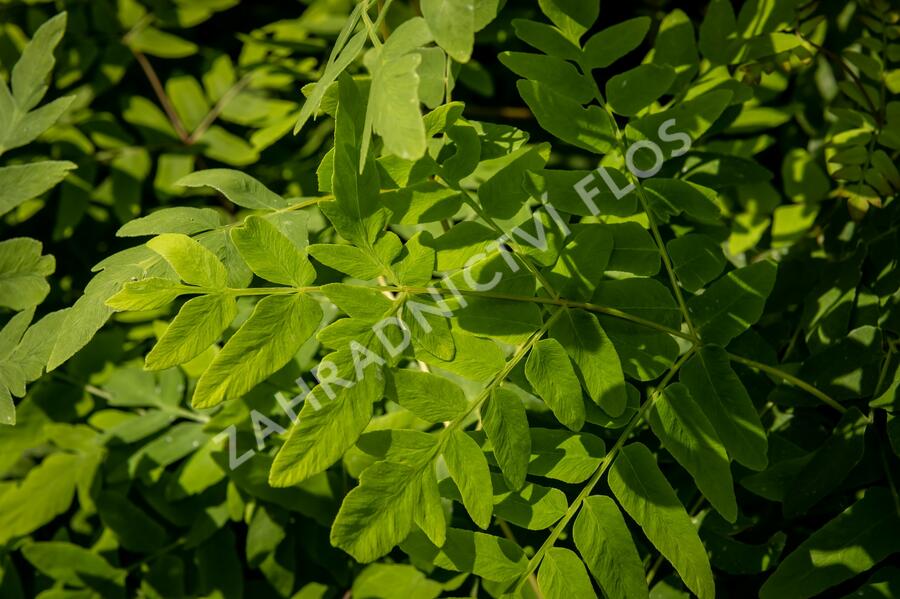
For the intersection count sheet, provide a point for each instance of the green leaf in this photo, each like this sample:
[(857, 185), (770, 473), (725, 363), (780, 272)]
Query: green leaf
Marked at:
[(850, 544), (469, 470), (551, 71), (724, 400), (562, 455), (147, 294), (647, 497), (612, 43), (390, 581), (200, 323), (74, 565), (430, 397), (378, 514), (632, 91), (452, 22), (163, 44), (268, 339), (29, 75), (596, 361), (733, 303), (633, 250), (829, 465), (358, 263), (46, 492), (507, 428), (697, 260), (562, 575), (587, 128), (23, 182), (195, 264), (356, 213), (270, 254), (534, 507), (551, 374), (582, 262), (602, 538), (133, 528), (23, 273), (172, 220), (691, 439), (239, 188), (571, 16), (484, 555)]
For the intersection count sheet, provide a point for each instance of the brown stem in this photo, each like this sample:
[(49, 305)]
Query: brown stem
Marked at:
[(161, 95)]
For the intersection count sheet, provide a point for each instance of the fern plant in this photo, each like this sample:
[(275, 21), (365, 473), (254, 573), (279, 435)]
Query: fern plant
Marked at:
[(633, 374)]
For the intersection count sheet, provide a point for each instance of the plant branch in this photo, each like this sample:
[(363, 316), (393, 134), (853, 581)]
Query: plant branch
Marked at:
[(787, 377), (216, 110), (161, 95)]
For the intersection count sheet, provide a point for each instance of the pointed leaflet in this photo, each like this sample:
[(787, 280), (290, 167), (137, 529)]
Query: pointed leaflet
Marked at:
[(725, 402), (30, 73), (21, 182), (697, 259), (276, 329), (551, 374), (199, 324), (852, 543), (687, 434), (595, 358), (562, 455), (238, 187), (646, 495), (573, 17), (393, 111), (195, 264), (452, 22), (733, 303), (604, 542), (378, 514), (534, 507), (356, 213), (507, 428), (587, 128), (612, 43), (270, 254), (469, 470), (562, 575), (429, 511)]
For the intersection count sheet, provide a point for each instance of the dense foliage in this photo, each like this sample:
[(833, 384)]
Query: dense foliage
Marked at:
[(420, 298)]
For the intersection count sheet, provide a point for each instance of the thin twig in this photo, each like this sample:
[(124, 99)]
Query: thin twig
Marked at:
[(157, 86)]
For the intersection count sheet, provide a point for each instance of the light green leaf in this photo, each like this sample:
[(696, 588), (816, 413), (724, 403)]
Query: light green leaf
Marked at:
[(276, 329), (469, 470), (195, 264), (596, 361), (23, 182), (562, 575), (390, 581), (359, 263), (547, 39), (612, 43), (23, 273), (534, 507), (724, 400), (428, 396), (507, 428), (582, 262), (24, 127), (452, 22), (634, 251), (378, 514), (733, 303), (29, 75), (604, 542), (688, 435), (850, 544), (239, 188), (562, 455), (74, 565), (324, 430), (573, 17), (630, 92), (200, 323), (270, 254), (181, 219), (163, 44), (147, 294), (647, 497), (550, 372)]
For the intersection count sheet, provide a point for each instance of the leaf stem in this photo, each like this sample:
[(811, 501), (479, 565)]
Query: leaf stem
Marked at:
[(535, 561), (787, 377), (161, 95)]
